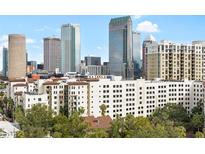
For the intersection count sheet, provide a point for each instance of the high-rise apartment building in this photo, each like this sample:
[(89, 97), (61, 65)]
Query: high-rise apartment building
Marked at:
[(70, 48), (120, 47), (17, 56), (52, 53), (136, 46), (5, 61), (173, 61), (202, 43)]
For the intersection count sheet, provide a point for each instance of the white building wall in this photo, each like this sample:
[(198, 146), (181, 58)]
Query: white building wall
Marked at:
[(33, 99)]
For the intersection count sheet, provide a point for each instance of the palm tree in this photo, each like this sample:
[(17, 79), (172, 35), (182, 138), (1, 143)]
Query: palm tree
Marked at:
[(103, 108)]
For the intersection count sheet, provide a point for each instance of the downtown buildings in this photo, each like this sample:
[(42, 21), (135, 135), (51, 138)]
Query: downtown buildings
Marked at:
[(70, 48), (52, 54), (17, 56), (120, 47)]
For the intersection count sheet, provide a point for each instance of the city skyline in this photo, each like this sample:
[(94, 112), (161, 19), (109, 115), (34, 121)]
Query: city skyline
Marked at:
[(95, 31)]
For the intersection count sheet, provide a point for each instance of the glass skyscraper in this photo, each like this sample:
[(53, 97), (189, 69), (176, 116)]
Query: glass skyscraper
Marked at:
[(70, 48), (120, 47), (5, 61), (136, 45)]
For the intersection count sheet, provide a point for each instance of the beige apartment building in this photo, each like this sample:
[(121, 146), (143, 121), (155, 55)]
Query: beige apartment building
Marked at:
[(172, 61)]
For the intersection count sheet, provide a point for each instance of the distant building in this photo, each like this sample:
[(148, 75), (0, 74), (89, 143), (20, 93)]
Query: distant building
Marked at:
[(31, 65), (136, 46), (150, 68), (5, 62), (90, 60), (70, 48), (120, 47), (17, 56), (105, 68), (52, 53), (40, 66)]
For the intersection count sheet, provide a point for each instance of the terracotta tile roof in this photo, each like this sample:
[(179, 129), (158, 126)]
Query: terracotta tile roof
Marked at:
[(77, 83), (30, 80), (57, 79), (50, 83), (98, 122), (17, 80), (20, 85), (89, 79)]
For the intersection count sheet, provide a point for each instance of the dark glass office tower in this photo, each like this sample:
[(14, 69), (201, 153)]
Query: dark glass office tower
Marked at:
[(120, 47)]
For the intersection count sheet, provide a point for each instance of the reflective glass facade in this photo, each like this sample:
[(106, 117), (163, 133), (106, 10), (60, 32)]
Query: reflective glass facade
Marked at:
[(120, 47), (5, 62), (70, 48)]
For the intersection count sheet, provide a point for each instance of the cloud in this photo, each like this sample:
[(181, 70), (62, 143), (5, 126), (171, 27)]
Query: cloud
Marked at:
[(137, 16), (30, 41), (147, 26), (44, 28), (36, 47), (99, 48)]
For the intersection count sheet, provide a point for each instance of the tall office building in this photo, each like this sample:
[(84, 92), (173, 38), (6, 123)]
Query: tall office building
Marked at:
[(90, 60), (52, 53), (5, 61), (136, 45), (70, 48), (17, 56), (175, 61), (120, 47)]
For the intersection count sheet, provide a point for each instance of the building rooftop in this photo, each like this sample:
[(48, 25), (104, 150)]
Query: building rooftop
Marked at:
[(51, 83), (17, 80), (120, 20), (98, 122), (20, 85), (77, 83), (8, 127)]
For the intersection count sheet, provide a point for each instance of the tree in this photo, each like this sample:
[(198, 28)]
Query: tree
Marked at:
[(60, 127), (198, 109), (35, 122), (199, 134), (117, 129), (197, 121), (77, 127), (171, 113), (97, 133), (103, 108), (20, 134)]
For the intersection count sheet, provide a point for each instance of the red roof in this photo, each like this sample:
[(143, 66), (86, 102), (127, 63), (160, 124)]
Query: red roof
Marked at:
[(98, 122), (20, 85), (50, 83)]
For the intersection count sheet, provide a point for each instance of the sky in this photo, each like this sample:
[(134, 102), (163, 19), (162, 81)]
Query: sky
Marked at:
[(95, 31)]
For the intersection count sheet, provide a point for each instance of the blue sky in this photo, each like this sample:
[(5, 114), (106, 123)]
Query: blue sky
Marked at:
[(94, 31)]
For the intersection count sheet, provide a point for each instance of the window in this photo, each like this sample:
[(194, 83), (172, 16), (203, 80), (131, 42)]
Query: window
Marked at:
[(39, 99)]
